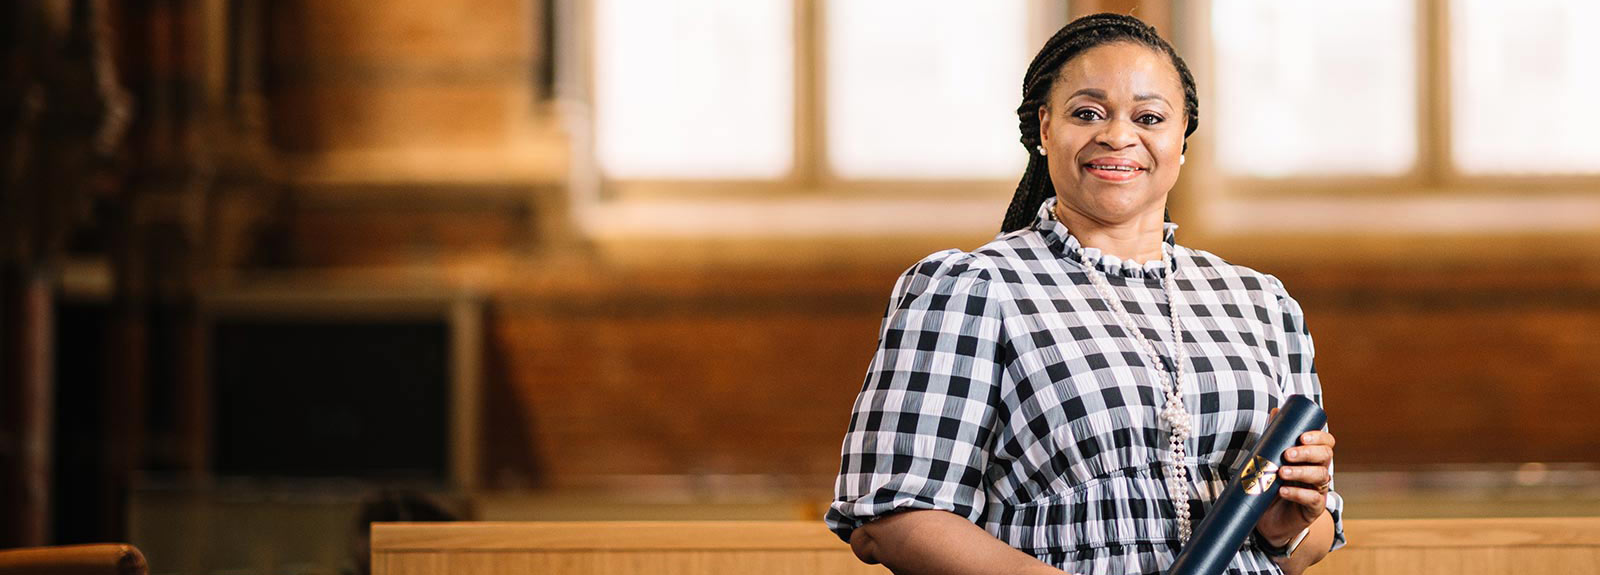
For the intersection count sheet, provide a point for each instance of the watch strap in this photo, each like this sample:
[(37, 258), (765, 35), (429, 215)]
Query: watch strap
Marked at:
[(1276, 552)]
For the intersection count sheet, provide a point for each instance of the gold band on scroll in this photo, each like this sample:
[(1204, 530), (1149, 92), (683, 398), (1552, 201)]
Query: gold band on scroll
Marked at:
[(1258, 475)]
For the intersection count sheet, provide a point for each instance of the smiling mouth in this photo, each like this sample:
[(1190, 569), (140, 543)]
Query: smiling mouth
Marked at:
[(1113, 168), (1114, 173)]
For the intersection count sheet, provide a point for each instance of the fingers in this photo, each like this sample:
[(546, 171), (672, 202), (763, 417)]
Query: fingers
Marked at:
[(1317, 438), (1308, 464), (1313, 476), (1309, 455), (1303, 496), (1311, 500)]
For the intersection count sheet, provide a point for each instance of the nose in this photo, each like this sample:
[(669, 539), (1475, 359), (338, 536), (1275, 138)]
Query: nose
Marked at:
[(1118, 133)]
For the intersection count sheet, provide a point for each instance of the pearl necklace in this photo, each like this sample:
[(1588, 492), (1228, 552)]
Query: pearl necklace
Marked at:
[(1174, 413)]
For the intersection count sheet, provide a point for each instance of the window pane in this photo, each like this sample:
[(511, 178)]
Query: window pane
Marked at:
[(1315, 88), (925, 88), (1525, 86), (694, 89)]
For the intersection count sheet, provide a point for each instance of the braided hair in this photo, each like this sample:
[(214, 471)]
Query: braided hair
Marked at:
[(1074, 39)]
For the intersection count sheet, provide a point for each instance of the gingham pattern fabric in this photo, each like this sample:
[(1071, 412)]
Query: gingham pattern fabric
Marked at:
[(1006, 391)]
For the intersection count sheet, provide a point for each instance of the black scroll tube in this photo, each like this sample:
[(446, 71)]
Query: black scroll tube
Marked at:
[(1249, 493)]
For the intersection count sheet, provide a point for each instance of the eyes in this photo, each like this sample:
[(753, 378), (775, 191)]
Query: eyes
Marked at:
[(1093, 115)]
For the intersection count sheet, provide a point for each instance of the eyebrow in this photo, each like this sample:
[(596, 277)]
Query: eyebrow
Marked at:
[(1101, 95)]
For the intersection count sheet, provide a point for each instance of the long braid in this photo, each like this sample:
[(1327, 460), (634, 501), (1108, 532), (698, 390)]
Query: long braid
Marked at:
[(1074, 39)]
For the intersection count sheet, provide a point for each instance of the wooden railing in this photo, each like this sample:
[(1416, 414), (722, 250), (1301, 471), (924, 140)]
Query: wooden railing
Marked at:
[(1377, 547), (1570, 546)]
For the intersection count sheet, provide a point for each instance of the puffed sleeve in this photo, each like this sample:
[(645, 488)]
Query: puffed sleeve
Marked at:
[(921, 428), (1301, 379)]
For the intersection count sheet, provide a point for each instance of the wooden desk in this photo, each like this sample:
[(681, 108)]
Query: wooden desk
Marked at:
[(1377, 547)]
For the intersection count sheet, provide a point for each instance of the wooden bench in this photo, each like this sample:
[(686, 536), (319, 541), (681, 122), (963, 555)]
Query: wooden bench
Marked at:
[(1567, 546)]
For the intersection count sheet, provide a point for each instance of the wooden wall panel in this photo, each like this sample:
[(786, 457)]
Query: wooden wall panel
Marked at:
[(389, 226), (660, 389), (409, 74), (1463, 365), (411, 92)]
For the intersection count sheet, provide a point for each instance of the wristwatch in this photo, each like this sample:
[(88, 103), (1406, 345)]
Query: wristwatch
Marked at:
[(1276, 552)]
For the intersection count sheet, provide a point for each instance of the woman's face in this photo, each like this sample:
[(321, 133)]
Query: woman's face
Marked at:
[(1113, 132)]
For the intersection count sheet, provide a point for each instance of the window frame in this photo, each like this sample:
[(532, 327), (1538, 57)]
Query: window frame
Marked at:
[(809, 177), (1434, 173)]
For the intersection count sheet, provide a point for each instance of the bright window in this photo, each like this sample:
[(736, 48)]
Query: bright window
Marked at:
[(1526, 86), (1315, 88), (694, 89), (924, 89)]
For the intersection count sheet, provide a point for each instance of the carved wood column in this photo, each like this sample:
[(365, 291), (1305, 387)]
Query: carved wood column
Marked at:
[(61, 120), (26, 406)]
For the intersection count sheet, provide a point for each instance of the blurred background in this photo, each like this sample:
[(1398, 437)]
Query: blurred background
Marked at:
[(273, 269)]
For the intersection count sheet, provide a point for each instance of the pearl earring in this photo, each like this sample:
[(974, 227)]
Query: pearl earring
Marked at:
[(1182, 159), (1040, 147)]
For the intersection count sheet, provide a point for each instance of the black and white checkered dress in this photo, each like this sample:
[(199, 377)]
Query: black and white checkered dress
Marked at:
[(1006, 391)]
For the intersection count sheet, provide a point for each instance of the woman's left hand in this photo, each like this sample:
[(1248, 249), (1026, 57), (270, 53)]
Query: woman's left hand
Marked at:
[(1306, 476)]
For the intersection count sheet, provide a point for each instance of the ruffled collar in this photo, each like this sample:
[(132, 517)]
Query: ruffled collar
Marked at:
[(1065, 244)]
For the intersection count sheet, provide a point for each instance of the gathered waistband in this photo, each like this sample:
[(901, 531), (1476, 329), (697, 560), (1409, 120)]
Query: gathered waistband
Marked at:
[(1128, 507)]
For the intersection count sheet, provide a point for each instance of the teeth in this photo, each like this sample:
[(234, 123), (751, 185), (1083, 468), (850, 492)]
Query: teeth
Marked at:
[(1117, 168)]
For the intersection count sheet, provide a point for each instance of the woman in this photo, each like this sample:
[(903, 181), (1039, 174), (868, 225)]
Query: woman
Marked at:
[(1027, 409)]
